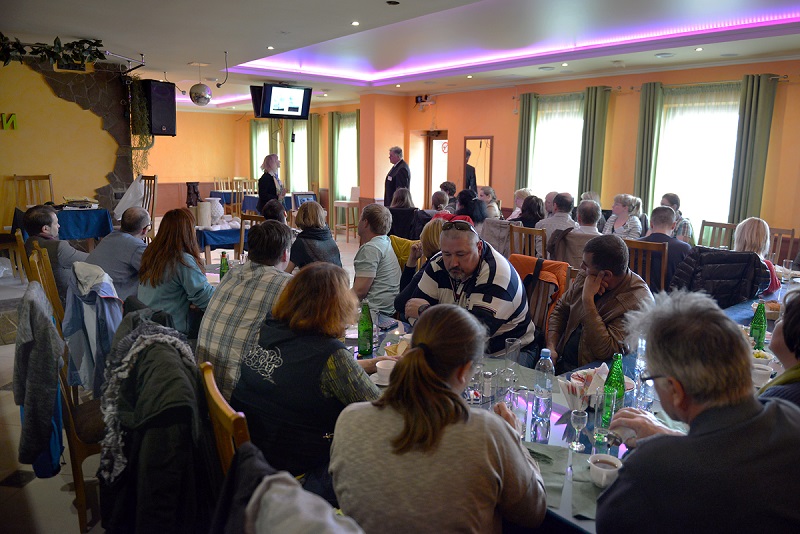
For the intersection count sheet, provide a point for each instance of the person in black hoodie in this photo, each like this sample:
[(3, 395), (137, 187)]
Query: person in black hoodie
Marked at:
[(314, 242)]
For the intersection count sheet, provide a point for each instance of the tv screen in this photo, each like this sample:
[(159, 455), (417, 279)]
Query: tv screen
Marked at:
[(257, 95), (285, 102)]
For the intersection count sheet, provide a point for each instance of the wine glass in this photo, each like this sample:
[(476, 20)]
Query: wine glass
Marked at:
[(579, 418)]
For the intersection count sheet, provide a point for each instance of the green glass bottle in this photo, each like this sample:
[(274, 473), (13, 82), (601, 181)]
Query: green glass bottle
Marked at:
[(365, 332), (614, 382), (223, 265), (758, 326)]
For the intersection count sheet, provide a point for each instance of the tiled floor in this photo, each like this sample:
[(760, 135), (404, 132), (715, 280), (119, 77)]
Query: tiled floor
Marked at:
[(44, 506)]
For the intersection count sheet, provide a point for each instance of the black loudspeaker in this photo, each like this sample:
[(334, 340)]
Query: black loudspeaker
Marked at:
[(160, 106)]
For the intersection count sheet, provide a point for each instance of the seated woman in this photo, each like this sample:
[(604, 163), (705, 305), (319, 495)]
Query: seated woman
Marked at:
[(532, 212), (752, 235), (785, 345), (623, 222), (293, 386), (519, 197), (414, 457), (314, 242), (488, 196), (439, 201), (469, 205), (427, 247), (171, 276), (402, 199)]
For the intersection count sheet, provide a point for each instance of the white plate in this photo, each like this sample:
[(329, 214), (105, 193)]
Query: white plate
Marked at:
[(377, 380)]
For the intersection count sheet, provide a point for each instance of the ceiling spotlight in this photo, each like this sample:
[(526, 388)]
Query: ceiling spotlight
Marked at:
[(398, 85), (698, 49), (354, 23), (324, 94), (270, 48), (664, 55), (469, 76), (547, 68), (565, 64)]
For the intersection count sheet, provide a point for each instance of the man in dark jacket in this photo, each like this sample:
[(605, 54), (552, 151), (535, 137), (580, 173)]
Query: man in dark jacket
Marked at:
[(662, 223), (399, 176)]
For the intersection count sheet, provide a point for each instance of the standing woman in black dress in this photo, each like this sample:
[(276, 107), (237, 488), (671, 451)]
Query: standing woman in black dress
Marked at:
[(269, 185)]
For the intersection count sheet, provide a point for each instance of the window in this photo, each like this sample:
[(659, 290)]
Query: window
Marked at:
[(259, 141), (697, 147), (298, 155), (556, 156), (347, 156)]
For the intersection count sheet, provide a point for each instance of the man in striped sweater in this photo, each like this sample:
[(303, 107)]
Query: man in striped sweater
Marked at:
[(470, 273)]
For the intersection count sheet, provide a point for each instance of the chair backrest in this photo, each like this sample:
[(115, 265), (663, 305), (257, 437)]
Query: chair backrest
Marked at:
[(543, 288), (222, 183), (230, 426), (640, 261), (355, 193), (35, 189), (776, 242), (42, 271), (247, 221), (568, 246), (528, 241), (572, 275), (719, 235), (402, 221), (22, 254), (150, 188)]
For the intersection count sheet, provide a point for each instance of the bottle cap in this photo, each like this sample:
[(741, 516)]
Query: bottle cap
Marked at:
[(545, 353)]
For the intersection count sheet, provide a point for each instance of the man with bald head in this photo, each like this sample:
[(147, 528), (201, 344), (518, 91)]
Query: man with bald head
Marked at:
[(119, 254), (548, 203)]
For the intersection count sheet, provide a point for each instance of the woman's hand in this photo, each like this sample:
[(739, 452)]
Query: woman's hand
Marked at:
[(414, 255), (502, 410), (370, 366)]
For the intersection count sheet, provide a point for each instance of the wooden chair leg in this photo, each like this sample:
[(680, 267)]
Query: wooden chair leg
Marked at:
[(80, 491)]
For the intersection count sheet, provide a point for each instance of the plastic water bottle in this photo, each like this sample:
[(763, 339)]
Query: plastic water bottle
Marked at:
[(543, 388)]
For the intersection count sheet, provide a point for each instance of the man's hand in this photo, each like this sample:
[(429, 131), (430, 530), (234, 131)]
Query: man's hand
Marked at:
[(370, 365), (595, 284), (643, 423), (412, 307), (414, 255), (553, 353)]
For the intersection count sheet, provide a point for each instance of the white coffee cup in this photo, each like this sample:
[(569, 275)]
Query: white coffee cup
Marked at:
[(385, 369), (761, 374), (603, 469)]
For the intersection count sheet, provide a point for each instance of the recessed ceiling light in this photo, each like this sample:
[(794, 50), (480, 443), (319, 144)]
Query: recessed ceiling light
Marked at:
[(469, 76), (565, 64), (698, 49), (664, 55), (324, 94), (398, 85), (547, 68), (354, 23), (270, 48)]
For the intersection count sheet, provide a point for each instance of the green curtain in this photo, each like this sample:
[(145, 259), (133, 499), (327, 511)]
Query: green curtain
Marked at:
[(286, 162), (275, 128), (528, 104), (593, 143), (259, 137), (752, 142), (333, 150), (358, 148), (650, 107), (312, 132)]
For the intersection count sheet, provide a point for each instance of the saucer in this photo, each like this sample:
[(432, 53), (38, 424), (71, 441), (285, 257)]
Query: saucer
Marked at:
[(377, 380)]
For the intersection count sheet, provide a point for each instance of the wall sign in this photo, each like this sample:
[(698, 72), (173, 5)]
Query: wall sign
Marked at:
[(8, 121)]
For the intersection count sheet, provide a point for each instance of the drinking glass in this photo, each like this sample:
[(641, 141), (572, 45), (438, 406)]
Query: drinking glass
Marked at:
[(520, 401), (512, 352), (603, 402), (786, 276), (579, 418)]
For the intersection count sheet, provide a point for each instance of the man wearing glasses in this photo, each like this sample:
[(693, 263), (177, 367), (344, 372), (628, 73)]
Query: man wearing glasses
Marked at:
[(473, 275), (736, 469), (119, 254)]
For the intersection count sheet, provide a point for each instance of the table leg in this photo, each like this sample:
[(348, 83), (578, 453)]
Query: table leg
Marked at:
[(347, 225), (335, 221)]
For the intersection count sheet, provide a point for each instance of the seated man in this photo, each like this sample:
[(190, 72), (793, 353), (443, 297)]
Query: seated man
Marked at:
[(119, 253), (41, 224), (567, 245), (450, 189), (561, 219), (473, 275), (683, 227), (587, 322), (242, 300), (377, 271), (736, 448), (588, 214), (662, 223)]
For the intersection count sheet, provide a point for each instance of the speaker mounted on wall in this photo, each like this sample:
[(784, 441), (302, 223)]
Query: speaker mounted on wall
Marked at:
[(160, 106)]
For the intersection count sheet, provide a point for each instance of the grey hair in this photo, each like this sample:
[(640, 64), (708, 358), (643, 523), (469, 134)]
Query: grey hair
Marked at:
[(692, 340)]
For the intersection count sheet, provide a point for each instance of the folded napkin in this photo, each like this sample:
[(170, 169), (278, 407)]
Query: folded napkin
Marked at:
[(552, 461), (576, 395), (584, 492)]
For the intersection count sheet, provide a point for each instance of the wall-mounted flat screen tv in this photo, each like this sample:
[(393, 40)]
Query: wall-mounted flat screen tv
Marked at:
[(285, 102)]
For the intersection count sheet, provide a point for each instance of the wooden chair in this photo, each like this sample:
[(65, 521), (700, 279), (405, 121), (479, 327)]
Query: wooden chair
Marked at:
[(230, 427), (150, 184), (572, 275), (22, 255), (776, 242), (720, 235), (350, 215), (222, 183), (9, 244), (543, 293), (41, 270), (36, 189), (241, 187), (640, 260), (528, 241), (251, 220)]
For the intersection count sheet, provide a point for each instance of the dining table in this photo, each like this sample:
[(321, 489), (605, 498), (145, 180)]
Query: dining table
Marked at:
[(209, 240)]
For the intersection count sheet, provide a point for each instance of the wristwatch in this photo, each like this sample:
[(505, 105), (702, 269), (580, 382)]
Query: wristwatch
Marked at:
[(422, 308)]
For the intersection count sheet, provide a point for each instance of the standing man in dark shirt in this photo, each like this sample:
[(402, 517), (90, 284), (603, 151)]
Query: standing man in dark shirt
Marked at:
[(398, 177), (470, 180)]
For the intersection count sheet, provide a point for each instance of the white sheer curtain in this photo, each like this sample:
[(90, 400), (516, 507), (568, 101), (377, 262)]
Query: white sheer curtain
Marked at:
[(259, 146), (697, 147), (347, 156), (298, 156), (556, 157)]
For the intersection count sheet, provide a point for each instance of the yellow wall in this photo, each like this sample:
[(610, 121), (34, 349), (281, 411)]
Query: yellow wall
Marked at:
[(53, 136)]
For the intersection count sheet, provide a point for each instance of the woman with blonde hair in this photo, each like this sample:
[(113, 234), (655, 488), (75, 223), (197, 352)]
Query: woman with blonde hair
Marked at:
[(402, 199), (314, 242), (293, 386), (172, 275), (427, 246), (623, 222), (753, 235), (519, 197), (269, 185), (425, 440), (488, 196)]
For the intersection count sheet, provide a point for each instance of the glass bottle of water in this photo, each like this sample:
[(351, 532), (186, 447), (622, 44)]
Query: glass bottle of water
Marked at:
[(543, 396)]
